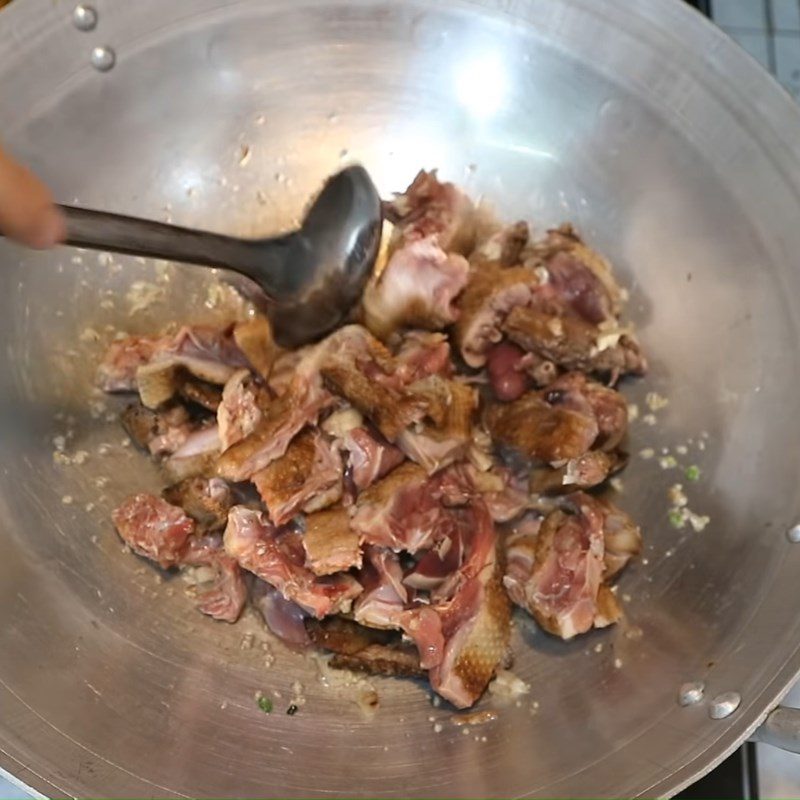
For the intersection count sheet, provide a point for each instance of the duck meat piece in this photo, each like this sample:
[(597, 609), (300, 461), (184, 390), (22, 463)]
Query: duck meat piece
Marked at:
[(484, 304), (196, 456), (507, 368), (283, 617), (451, 405), (542, 431), (153, 528), (355, 366), (557, 577), (464, 638), (442, 562), (391, 410), (576, 286), (223, 597), (366, 454), (577, 392), (431, 208), (159, 432), (541, 371), (200, 393), (254, 338), (281, 421), (370, 457), (401, 511), (207, 353), (206, 500), (505, 493), (363, 649), (586, 472), (241, 408), (330, 543), (385, 594), (307, 477), (622, 539), (575, 344), (503, 247), (579, 277), (277, 557), (117, 371), (416, 289), (420, 355)]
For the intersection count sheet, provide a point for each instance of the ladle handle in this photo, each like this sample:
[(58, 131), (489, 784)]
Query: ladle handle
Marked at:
[(100, 230)]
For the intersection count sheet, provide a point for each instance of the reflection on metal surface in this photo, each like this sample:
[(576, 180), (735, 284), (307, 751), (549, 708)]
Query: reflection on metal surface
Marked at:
[(481, 83), (691, 693), (103, 58), (723, 705), (84, 17)]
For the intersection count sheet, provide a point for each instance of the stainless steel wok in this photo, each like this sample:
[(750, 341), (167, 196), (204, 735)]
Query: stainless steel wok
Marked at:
[(669, 148)]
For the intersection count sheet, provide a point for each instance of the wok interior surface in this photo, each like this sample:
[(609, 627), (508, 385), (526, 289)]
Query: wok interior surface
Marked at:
[(670, 151)]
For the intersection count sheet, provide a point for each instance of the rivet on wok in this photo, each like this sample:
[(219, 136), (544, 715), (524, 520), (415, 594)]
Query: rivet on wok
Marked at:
[(103, 58), (691, 693), (793, 534), (84, 18), (723, 705)]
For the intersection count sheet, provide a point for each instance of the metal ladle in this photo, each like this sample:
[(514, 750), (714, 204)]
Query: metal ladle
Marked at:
[(310, 278)]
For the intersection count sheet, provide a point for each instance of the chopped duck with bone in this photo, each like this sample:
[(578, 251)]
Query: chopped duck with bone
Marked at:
[(166, 534), (387, 492), (556, 566)]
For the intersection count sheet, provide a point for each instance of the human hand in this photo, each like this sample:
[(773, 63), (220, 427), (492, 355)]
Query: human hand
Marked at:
[(27, 213)]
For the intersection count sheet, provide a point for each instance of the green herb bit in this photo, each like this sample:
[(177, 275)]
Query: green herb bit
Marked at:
[(676, 518), (693, 473), (265, 704)]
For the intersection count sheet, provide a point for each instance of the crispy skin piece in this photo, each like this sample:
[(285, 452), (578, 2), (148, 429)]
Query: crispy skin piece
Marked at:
[(541, 431), (201, 394), (573, 343), (463, 635), (622, 538), (309, 473), (330, 544), (255, 340), (391, 410), (207, 501), (485, 646), (376, 652), (160, 432), (608, 407), (609, 610)]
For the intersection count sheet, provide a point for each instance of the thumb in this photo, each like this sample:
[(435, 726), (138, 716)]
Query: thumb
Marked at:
[(27, 213)]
